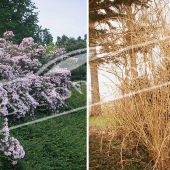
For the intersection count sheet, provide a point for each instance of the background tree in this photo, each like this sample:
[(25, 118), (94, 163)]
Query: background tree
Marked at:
[(85, 37), (20, 17), (44, 37), (79, 38), (70, 44), (103, 13)]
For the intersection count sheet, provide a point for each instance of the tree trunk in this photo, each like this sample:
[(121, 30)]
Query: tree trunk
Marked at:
[(95, 92), (132, 53)]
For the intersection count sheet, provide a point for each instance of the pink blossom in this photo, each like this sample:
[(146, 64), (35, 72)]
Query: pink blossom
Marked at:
[(8, 34), (20, 62)]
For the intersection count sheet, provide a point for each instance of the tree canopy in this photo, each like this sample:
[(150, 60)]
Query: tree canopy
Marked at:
[(20, 17), (71, 44), (106, 11)]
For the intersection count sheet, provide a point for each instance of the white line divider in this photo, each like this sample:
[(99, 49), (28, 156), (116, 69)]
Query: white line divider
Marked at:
[(80, 60), (91, 105), (109, 100), (111, 54), (46, 118)]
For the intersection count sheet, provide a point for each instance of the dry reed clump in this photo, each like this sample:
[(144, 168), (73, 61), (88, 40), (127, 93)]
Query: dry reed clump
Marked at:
[(105, 146), (146, 115)]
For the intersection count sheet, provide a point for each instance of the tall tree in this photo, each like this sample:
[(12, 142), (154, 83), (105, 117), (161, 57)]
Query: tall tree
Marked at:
[(18, 16), (79, 38), (85, 37), (102, 12), (44, 36), (58, 42), (95, 16)]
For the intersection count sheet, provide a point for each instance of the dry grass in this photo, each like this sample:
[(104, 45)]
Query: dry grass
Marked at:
[(149, 123), (105, 151), (144, 117)]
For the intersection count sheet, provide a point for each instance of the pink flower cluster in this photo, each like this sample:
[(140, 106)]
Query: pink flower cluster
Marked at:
[(57, 52), (8, 34), (23, 96), (22, 90), (10, 146)]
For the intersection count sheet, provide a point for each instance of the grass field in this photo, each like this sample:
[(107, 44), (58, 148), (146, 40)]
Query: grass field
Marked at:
[(54, 144), (101, 121)]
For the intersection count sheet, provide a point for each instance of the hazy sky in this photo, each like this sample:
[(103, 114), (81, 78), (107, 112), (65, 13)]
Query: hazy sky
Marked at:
[(67, 17)]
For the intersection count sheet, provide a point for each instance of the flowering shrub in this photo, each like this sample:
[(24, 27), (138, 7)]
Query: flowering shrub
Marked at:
[(8, 34), (22, 90), (10, 146)]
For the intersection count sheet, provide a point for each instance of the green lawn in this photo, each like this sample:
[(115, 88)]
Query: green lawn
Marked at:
[(102, 121), (54, 144)]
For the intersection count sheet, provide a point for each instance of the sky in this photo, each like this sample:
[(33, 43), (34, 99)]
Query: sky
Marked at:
[(68, 17)]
